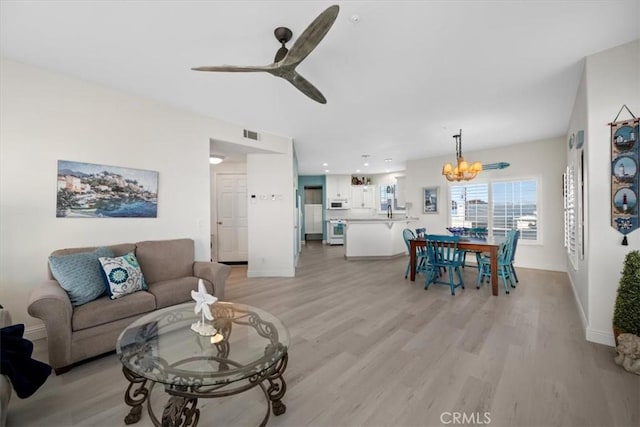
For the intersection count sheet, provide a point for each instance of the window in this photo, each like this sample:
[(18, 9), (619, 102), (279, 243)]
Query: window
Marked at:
[(515, 206), (469, 205), (386, 196), (499, 206), (570, 212), (391, 195)]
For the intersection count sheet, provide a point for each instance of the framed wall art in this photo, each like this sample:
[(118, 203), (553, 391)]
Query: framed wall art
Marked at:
[(87, 190), (625, 177), (430, 200)]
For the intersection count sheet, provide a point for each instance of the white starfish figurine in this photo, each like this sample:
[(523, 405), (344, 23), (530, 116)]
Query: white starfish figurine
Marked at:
[(203, 300)]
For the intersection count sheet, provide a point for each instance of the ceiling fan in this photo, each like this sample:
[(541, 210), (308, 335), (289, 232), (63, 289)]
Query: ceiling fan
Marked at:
[(285, 63)]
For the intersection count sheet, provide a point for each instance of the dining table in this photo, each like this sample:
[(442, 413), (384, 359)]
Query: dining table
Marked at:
[(489, 245)]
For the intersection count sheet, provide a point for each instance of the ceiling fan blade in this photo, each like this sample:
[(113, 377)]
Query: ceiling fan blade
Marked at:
[(305, 87), (312, 36), (236, 69)]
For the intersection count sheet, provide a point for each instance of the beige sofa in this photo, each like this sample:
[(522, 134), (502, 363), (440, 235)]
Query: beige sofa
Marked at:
[(81, 332)]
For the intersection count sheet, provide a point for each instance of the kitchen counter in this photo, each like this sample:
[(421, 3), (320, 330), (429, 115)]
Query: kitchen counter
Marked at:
[(382, 219), (375, 237)]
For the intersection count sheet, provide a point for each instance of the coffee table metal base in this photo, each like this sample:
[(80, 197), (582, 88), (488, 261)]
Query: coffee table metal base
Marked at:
[(181, 408)]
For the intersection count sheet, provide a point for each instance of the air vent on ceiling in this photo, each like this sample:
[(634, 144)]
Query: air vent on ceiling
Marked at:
[(249, 134)]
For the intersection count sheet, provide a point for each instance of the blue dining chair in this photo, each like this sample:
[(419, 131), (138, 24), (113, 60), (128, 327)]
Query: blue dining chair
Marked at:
[(504, 264), (514, 245), (421, 255), (442, 252), (470, 233)]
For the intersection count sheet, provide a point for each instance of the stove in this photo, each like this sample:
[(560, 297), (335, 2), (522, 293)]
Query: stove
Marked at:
[(336, 231)]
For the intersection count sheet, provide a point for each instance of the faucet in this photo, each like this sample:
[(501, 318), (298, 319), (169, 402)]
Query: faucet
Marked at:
[(389, 211)]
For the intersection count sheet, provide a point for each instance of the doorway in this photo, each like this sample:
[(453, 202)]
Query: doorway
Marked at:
[(312, 213), (232, 225)]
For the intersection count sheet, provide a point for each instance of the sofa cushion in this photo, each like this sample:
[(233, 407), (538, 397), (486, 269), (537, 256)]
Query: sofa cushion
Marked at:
[(122, 275), (105, 310), (176, 291), (165, 259), (80, 274), (119, 249)]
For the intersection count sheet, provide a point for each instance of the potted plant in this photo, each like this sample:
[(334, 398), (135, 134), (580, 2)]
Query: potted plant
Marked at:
[(626, 315)]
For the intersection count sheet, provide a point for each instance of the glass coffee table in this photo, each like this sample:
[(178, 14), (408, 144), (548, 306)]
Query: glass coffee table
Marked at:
[(249, 350)]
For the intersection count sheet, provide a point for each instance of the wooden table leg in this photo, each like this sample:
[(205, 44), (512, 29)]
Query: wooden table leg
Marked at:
[(494, 270), (412, 260)]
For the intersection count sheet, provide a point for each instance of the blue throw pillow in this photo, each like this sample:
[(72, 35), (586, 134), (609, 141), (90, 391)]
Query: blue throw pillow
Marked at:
[(80, 275), (122, 275)]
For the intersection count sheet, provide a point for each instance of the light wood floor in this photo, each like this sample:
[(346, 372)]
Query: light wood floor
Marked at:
[(370, 348)]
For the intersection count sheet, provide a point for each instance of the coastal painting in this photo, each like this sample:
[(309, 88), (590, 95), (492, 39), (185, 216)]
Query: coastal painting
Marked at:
[(87, 190), (430, 200)]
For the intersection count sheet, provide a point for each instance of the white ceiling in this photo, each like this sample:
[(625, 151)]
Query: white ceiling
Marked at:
[(399, 82)]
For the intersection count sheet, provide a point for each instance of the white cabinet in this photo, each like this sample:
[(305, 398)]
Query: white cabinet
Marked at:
[(312, 219), (363, 196), (338, 186)]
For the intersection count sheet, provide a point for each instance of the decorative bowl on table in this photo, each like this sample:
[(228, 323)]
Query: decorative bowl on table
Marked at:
[(456, 231)]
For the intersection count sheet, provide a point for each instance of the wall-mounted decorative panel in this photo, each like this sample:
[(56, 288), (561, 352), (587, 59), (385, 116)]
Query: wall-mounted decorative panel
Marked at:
[(625, 176)]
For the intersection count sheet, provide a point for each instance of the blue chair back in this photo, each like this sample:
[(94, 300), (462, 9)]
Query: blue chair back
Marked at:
[(514, 245), (478, 232), (420, 232), (443, 250), (505, 250), (407, 235)]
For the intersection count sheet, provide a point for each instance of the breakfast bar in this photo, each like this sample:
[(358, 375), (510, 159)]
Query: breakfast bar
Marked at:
[(376, 237)]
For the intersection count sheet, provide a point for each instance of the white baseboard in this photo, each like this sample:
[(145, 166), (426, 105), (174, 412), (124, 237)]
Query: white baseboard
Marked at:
[(592, 335), (33, 333), (268, 273), (601, 337), (583, 317)]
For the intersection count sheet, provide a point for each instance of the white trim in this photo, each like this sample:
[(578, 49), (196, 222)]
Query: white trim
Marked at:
[(583, 317), (269, 273), (592, 335), (601, 337), (33, 333)]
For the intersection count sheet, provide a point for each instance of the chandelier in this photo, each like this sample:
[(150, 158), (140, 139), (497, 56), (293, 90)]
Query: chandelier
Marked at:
[(463, 171)]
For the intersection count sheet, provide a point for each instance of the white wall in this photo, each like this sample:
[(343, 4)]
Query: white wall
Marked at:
[(613, 79), (577, 268), (270, 168), (270, 179), (544, 160), (46, 117)]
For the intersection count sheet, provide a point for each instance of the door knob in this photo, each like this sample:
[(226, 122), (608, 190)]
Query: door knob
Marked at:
[(219, 222)]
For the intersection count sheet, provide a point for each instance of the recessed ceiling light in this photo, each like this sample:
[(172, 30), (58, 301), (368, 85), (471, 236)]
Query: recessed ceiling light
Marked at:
[(366, 164), (215, 159), (355, 19), (325, 164), (357, 170), (388, 160), (326, 170)]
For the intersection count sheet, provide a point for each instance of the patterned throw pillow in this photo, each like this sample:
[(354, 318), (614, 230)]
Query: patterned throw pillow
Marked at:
[(80, 274), (122, 275)]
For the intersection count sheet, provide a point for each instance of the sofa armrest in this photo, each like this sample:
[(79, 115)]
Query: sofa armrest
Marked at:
[(214, 272), (50, 303)]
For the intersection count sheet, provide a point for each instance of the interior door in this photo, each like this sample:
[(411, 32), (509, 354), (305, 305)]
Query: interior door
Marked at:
[(231, 199)]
